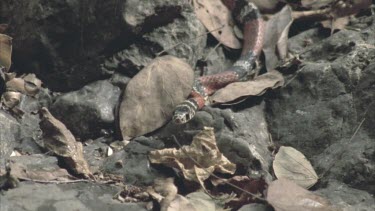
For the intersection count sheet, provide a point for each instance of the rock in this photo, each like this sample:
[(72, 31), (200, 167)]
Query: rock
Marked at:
[(255, 207), (242, 135), (353, 164), (64, 42), (30, 120), (79, 196), (346, 198), (175, 29), (89, 111), (324, 102), (136, 166), (9, 135)]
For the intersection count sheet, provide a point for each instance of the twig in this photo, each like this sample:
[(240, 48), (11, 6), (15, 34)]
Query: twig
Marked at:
[(312, 14), (213, 175)]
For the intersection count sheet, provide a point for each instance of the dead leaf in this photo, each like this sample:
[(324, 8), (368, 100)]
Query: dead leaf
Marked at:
[(285, 195), (164, 191), (276, 37), (255, 186), (58, 139), (256, 87), (291, 164), (218, 20), (32, 84), (11, 99), (180, 203), (337, 23), (203, 149), (152, 95), (5, 51), (16, 84), (35, 172)]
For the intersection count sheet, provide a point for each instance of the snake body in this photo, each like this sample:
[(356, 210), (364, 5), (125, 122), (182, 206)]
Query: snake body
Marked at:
[(248, 15)]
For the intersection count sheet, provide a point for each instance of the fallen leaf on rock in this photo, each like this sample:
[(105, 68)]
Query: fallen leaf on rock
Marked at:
[(284, 195), (255, 186), (11, 99), (203, 149), (32, 84), (22, 171), (255, 87), (218, 20), (58, 139), (291, 164), (152, 95), (5, 51), (276, 37)]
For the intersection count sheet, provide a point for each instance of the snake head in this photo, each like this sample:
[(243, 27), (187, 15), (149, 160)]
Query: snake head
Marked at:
[(183, 113)]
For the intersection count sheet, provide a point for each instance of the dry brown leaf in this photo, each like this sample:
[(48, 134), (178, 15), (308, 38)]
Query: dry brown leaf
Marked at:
[(292, 165), (32, 84), (337, 23), (218, 20), (16, 84), (11, 99), (58, 139), (255, 186), (152, 95), (285, 195), (22, 171), (203, 149), (276, 37), (256, 87), (5, 51)]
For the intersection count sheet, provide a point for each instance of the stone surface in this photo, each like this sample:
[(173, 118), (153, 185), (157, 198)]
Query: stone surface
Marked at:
[(89, 111), (325, 108), (80, 196), (9, 135), (64, 42), (346, 198)]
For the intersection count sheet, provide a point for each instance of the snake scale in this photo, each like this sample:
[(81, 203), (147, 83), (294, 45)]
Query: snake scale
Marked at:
[(247, 15)]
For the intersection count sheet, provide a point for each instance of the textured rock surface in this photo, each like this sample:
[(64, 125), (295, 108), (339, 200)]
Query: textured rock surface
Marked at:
[(82, 196), (9, 134), (323, 104), (89, 111)]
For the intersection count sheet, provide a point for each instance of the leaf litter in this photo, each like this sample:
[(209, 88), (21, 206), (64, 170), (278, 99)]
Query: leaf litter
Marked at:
[(152, 95), (291, 164)]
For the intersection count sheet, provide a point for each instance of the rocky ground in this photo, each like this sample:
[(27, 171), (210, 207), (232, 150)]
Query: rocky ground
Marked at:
[(85, 52)]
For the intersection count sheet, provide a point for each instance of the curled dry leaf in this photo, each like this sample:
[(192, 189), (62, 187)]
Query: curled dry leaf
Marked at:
[(284, 195), (256, 87), (58, 139), (22, 171), (255, 186), (291, 164), (203, 149), (276, 37), (218, 20), (152, 95), (32, 84), (11, 99), (5, 51), (167, 190)]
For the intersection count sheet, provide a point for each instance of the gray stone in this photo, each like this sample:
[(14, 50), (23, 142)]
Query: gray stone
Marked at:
[(346, 198), (9, 135), (89, 111), (323, 104), (80, 196), (65, 41), (182, 36), (136, 166)]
